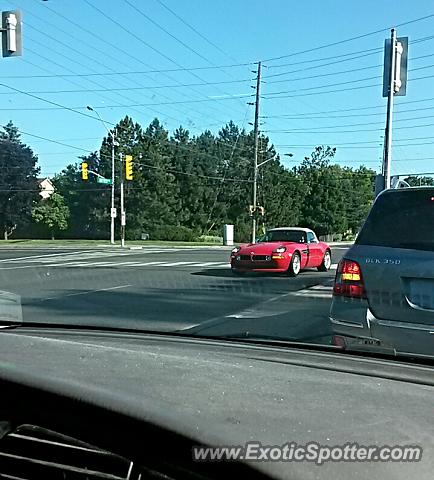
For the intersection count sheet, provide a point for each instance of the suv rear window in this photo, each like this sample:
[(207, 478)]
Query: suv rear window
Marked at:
[(401, 219)]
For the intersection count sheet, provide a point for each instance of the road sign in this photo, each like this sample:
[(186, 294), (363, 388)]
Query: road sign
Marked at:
[(11, 33), (105, 181), (123, 219), (113, 213), (400, 67)]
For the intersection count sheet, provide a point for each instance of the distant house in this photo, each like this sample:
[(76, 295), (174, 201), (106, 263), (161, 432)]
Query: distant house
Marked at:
[(46, 186)]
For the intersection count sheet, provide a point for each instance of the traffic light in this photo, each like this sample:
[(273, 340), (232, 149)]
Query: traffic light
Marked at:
[(261, 211), (84, 172), (128, 167)]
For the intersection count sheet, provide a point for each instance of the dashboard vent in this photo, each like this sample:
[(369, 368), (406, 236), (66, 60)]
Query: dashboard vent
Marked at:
[(33, 453)]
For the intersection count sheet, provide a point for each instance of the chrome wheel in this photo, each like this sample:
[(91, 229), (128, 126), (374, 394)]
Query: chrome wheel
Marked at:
[(326, 262), (296, 264)]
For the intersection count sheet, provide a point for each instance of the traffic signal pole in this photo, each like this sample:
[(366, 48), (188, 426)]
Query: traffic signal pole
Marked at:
[(123, 216), (255, 158), (112, 210), (388, 132)]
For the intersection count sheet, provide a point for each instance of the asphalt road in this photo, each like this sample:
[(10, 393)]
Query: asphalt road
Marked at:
[(163, 289)]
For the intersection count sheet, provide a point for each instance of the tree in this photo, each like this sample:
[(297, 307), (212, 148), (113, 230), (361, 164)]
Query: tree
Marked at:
[(52, 213), (323, 202), (191, 185), (417, 181), (18, 181)]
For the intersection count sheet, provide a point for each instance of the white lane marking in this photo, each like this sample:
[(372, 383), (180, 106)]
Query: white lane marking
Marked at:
[(208, 264), (87, 292), (10, 260), (321, 287), (145, 264), (334, 266), (316, 291), (67, 264), (175, 264), (83, 255)]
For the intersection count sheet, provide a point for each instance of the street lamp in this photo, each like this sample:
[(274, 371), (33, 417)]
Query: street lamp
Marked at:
[(114, 143)]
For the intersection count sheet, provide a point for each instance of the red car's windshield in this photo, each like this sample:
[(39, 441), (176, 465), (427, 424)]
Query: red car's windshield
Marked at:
[(298, 236)]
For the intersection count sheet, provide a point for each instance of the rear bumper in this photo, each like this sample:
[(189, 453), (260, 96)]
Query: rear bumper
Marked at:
[(354, 325)]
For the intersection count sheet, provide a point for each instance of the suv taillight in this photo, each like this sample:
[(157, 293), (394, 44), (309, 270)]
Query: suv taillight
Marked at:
[(349, 281)]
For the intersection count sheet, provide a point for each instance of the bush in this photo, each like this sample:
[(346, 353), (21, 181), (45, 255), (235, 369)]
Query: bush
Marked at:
[(174, 233), (210, 239)]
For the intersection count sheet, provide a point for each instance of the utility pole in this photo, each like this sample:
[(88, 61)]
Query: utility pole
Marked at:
[(391, 93), (123, 216), (255, 159), (113, 209), (114, 143)]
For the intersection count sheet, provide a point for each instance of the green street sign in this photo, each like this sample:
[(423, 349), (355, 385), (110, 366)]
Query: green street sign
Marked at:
[(106, 181)]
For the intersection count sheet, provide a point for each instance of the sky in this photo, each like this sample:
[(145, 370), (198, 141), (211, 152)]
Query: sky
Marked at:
[(192, 63)]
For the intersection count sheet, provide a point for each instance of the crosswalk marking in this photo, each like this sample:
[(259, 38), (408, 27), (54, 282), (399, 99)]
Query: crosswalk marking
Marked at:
[(83, 255), (208, 264), (316, 291), (175, 264), (137, 264)]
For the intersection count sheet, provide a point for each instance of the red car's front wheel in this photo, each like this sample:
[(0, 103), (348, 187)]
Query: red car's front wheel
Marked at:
[(326, 262), (294, 265)]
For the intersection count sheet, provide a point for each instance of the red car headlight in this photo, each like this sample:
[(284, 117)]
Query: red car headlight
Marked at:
[(279, 250), (235, 250)]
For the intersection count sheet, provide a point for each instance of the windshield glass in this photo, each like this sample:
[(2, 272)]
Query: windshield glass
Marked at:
[(163, 167), (298, 236)]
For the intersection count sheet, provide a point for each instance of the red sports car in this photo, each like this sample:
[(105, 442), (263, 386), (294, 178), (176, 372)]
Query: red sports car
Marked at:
[(286, 250)]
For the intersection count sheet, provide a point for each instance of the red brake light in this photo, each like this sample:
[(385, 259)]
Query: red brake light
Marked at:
[(348, 282)]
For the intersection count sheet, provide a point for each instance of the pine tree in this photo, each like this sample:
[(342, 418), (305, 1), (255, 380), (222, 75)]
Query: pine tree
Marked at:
[(18, 182)]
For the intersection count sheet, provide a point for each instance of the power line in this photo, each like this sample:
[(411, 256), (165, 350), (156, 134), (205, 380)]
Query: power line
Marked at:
[(273, 97), (351, 39), (302, 117), (357, 147), (56, 40), (194, 30), (51, 61), (185, 147), (146, 87), (357, 109), (337, 59), (363, 53), (314, 67), (185, 45), (370, 67), (148, 45), (348, 125), (424, 67), (129, 72), (131, 105), (111, 44)]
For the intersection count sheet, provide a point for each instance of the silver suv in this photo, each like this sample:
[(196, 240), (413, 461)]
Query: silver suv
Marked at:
[(383, 296)]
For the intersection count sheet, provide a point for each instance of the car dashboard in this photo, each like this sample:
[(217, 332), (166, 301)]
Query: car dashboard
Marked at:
[(81, 404)]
